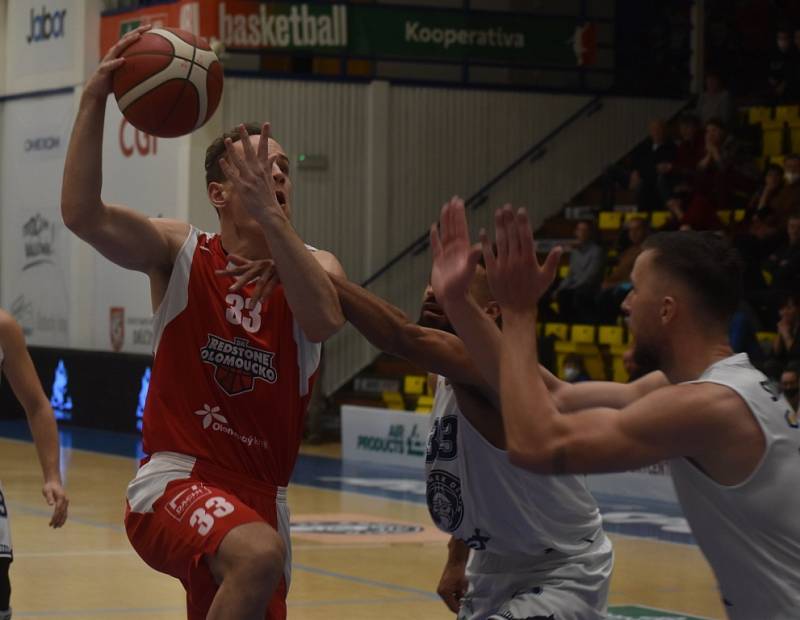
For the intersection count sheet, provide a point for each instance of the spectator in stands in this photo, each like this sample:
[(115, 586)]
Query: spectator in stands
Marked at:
[(787, 199), (719, 147), (574, 369), (690, 148), (784, 264), (786, 346), (783, 67), (617, 284), (760, 205), (715, 101), (790, 381), (653, 176), (576, 293), (691, 210), (743, 335), (630, 365), (719, 154)]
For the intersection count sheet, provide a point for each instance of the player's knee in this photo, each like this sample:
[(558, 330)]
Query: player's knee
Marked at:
[(267, 556), (254, 555)]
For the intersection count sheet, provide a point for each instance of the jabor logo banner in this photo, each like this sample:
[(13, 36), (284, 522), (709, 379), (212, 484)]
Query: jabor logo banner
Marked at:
[(44, 44)]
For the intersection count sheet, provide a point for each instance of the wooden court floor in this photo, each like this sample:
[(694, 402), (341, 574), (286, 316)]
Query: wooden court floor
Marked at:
[(88, 570)]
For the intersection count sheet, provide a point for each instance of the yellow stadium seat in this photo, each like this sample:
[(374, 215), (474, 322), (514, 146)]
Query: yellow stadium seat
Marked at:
[(772, 138), (559, 330), (610, 335), (794, 137), (777, 159), (634, 215), (787, 113), (767, 337), (582, 334), (758, 114), (414, 384), (724, 216), (563, 271), (767, 275), (393, 400), (609, 220), (659, 218), (424, 404), (738, 215), (619, 374)]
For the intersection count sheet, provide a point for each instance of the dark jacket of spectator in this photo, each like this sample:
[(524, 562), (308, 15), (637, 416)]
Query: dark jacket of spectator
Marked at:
[(784, 264), (715, 101)]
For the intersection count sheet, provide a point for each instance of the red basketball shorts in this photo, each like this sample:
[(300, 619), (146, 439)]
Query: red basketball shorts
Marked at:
[(180, 509)]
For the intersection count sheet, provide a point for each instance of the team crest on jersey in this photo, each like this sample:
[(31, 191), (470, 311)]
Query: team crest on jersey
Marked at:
[(238, 364), (444, 500)]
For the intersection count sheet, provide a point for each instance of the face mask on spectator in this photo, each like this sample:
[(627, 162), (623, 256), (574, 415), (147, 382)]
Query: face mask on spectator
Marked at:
[(571, 373), (791, 177)]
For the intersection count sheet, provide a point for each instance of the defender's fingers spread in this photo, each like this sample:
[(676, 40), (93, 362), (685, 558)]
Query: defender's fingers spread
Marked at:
[(436, 244), (500, 235)]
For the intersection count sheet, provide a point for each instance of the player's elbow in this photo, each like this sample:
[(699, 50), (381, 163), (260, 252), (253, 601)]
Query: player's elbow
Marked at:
[(539, 454), (325, 327), (73, 213)]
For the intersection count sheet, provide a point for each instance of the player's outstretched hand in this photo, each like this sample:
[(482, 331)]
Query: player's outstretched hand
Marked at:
[(453, 585), (454, 257), (516, 278), (250, 173), (245, 271), (100, 84), (56, 497)]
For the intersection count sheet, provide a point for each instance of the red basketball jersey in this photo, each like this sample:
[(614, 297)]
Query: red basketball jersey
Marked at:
[(231, 377)]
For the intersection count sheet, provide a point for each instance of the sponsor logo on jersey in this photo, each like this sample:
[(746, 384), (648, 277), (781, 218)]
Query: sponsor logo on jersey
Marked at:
[(444, 500), (238, 364), (214, 420), (179, 505)]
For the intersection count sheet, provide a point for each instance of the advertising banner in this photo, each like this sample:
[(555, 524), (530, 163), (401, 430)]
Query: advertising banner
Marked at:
[(35, 243), (147, 174), (373, 31), (384, 436), (45, 44)]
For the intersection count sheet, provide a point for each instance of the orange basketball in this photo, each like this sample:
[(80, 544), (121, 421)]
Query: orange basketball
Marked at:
[(170, 83)]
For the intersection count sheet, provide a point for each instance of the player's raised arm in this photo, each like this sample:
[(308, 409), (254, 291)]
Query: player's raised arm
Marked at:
[(256, 177), (122, 235), (389, 329)]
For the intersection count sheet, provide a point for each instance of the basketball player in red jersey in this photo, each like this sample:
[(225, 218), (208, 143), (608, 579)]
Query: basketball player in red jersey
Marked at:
[(232, 373)]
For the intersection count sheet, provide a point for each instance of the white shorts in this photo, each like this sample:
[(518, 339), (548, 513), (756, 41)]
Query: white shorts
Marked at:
[(5, 530), (571, 587)]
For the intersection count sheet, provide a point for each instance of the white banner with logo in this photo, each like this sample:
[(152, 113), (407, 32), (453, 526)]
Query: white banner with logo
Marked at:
[(384, 436), (149, 175), (35, 244), (49, 43)]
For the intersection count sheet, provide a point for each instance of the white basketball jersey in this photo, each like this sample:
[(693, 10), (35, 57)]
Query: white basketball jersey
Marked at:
[(750, 532), (478, 496)]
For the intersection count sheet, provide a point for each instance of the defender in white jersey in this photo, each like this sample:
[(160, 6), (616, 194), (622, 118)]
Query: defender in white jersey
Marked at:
[(18, 369), (734, 444), (535, 543)]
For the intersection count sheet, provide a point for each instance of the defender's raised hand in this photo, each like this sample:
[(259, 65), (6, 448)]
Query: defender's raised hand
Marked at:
[(454, 257), (516, 278), (250, 173)]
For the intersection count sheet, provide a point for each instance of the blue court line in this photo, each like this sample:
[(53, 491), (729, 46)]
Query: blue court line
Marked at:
[(365, 582)]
